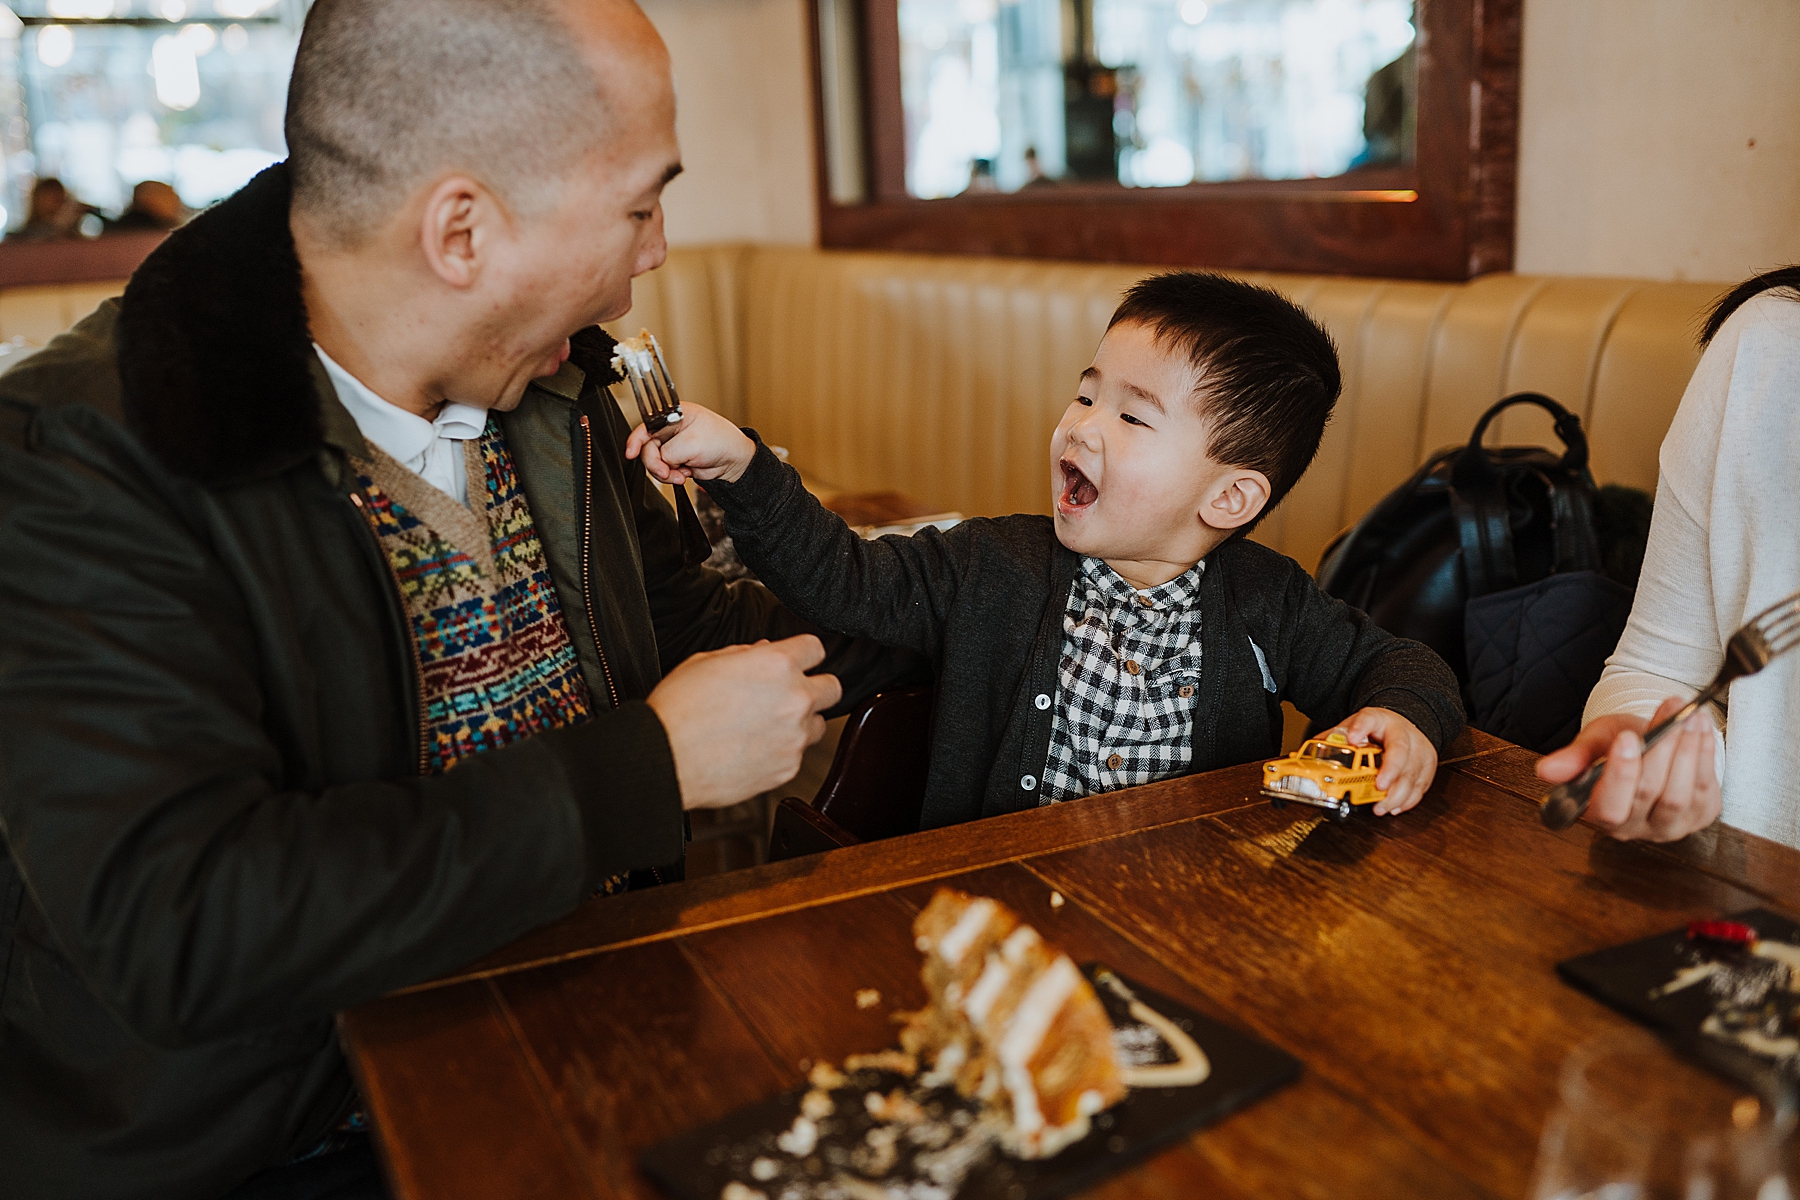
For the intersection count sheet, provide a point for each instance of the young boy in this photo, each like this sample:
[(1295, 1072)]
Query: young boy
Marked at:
[(1135, 635)]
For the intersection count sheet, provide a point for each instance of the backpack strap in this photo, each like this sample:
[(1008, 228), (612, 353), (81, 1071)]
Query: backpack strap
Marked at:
[(1483, 517), (1577, 540)]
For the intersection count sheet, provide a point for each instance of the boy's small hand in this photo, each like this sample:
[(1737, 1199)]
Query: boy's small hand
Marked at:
[(1408, 759), (708, 447)]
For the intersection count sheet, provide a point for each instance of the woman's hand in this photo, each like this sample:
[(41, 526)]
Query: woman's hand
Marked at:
[(1659, 797), (1408, 759), (708, 447)]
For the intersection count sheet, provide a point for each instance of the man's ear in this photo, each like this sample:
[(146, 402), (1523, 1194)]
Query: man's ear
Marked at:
[(458, 229), (1236, 499)]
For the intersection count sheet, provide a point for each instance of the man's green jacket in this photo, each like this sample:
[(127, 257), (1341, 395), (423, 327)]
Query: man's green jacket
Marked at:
[(215, 833)]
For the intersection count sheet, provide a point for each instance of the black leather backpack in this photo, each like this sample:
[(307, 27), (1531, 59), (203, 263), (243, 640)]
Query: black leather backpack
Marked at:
[(1491, 526)]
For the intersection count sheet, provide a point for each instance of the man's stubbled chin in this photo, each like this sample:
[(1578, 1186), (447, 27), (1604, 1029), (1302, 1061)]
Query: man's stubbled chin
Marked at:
[(555, 361)]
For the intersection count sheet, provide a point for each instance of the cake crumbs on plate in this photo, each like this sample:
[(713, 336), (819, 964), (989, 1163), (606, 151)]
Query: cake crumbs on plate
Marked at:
[(737, 1191), (895, 1108), (897, 1061), (800, 1138), (867, 997), (878, 1153), (817, 1104)]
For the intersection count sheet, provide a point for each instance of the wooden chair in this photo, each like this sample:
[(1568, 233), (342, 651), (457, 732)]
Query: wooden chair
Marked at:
[(876, 786)]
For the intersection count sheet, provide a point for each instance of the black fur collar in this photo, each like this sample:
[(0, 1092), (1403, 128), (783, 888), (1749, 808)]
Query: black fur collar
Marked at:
[(215, 351), (591, 349), (215, 357)]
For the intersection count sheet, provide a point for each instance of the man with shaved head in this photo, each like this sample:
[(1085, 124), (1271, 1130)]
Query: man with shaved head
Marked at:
[(339, 643)]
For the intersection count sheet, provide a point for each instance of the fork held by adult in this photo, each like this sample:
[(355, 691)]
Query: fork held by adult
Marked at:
[(1764, 638)]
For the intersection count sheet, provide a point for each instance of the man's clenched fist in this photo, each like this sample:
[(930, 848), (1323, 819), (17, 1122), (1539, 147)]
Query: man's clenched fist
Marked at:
[(738, 719)]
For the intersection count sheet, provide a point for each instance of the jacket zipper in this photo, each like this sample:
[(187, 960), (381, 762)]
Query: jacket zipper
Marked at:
[(587, 595), (412, 646), (587, 531)]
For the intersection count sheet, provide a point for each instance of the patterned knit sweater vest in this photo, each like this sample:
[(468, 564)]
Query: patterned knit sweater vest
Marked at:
[(494, 654)]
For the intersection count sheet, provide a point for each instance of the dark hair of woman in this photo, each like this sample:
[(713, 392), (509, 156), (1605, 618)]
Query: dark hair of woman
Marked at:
[(1786, 279)]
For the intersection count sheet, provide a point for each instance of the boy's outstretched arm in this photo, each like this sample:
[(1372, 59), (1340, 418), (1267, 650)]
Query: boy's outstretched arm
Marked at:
[(894, 590), (1338, 666), (708, 447)]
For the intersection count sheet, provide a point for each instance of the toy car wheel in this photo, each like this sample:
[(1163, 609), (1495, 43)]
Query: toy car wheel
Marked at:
[(1342, 809), (1277, 802)]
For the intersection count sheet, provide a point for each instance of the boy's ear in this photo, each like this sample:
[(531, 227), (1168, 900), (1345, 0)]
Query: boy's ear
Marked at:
[(1235, 499)]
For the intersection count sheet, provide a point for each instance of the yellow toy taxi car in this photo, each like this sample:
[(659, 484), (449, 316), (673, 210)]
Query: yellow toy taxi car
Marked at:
[(1327, 773)]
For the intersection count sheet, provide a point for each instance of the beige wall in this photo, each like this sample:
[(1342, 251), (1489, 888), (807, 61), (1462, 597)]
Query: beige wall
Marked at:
[(743, 82), (1635, 145), (1660, 138)]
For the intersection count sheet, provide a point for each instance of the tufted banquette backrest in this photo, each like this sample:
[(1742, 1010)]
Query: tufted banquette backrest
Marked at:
[(40, 312), (943, 377)]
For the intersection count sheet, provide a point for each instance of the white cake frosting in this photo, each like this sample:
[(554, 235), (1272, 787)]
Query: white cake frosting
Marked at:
[(636, 355)]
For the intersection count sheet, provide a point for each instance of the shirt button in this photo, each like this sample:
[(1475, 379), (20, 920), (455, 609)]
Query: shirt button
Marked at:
[(1114, 762), (1185, 690), (1145, 601), (1043, 701), (1131, 667), (1029, 783)]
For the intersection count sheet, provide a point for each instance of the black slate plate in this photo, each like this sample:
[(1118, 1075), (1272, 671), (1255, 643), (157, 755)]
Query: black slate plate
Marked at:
[(699, 1165), (1624, 977)]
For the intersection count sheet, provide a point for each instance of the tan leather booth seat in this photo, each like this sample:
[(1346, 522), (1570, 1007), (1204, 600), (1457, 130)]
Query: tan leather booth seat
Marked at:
[(40, 312), (943, 377)]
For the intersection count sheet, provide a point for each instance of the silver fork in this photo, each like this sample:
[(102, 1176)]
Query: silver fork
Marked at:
[(1764, 638), (659, 404), (651, 386)]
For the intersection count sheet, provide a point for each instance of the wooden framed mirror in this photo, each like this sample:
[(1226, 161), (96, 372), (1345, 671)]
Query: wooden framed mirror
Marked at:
[(1109, 127)]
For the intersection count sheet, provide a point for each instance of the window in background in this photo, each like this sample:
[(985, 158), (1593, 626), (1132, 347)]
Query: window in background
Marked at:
[(1001, 95), (104, 94)]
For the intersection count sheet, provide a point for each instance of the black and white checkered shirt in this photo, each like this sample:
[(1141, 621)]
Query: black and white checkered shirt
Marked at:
[(1127, 683)]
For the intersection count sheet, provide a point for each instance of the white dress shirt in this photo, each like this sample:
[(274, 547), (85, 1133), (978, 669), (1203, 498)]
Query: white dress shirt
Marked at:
[(432, 450)]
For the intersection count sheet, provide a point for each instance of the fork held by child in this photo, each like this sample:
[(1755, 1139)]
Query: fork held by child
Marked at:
[(640, 361)]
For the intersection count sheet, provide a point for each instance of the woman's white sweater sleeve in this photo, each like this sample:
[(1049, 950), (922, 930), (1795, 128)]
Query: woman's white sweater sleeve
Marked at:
[(1725, 544), (1667, 648)]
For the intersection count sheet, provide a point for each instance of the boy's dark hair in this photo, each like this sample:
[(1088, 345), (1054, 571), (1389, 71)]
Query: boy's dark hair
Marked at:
[(1268, 371)]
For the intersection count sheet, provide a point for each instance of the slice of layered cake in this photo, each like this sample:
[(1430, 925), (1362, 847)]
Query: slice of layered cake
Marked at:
[(635, 355), (1012, 1022)]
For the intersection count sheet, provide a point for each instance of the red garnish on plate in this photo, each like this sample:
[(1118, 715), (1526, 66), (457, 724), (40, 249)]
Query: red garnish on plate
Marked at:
[(1730, 933)]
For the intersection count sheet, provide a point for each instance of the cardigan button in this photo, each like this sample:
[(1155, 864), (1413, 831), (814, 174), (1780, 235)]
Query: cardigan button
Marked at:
[(1042, 701), (1029, 783)]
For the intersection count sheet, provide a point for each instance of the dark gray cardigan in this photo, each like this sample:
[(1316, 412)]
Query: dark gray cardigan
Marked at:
[(985, 601)]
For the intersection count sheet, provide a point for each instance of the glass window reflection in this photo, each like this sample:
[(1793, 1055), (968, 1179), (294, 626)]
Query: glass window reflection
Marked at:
[(1002, 95), (187, 92)]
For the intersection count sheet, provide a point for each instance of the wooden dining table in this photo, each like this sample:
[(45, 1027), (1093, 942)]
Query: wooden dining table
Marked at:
[(1407, 962)]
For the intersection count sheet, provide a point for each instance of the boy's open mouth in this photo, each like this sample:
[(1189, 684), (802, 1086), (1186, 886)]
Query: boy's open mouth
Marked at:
[(1078, 490)]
